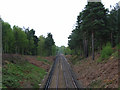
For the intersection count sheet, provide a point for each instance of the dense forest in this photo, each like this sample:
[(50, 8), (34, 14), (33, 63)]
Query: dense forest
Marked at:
[(24, 41), (95, 28)]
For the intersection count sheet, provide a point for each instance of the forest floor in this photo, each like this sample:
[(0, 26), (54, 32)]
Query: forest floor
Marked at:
[(94, 74), (23, 71)]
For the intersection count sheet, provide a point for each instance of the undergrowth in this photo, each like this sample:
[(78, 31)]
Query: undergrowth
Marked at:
[(95, 84), (14, 75), (76, 59), (105, 53), (43, 60)]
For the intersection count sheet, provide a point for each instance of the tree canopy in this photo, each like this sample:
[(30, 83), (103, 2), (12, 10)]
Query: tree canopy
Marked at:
[(24, 41), (95, 26)]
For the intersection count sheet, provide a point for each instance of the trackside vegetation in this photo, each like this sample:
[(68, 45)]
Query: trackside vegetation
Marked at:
[(24, 41), (21, 74), (16, 40), (95, 28), (106, 52), (43, 60), (96, 35), (18, 73), (95, 46)]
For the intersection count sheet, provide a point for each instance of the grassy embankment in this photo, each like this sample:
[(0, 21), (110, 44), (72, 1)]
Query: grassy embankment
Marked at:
[(101, 72), (18, 72)]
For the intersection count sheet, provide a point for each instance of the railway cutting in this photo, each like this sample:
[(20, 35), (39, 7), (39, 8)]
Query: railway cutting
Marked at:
[(61, 75)]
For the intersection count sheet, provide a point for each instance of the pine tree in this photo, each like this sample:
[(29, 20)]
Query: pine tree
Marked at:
[(94, 17)]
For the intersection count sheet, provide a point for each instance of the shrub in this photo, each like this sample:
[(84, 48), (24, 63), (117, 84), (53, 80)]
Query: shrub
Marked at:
[(13, 74), (107, 51), (118, 47), (43, 60)]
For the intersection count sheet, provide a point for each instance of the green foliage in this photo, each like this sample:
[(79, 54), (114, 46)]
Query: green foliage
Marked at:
[(99, 60), (41, 48), (10, 78), (97, 21), (49, 42), (17, 40), (7, 38), (54, 50), (115, 54), (46, 46), (75, 59), (95, 84), (107, 51), (118, 46), (31, 46), (64, 50), (33, 42), (67, 51), (35, 74), (43, 60), (14, 74), (119, 87), (91, 20), (21, 41)]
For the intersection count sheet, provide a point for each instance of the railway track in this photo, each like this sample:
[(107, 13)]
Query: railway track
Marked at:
[(61, 75)]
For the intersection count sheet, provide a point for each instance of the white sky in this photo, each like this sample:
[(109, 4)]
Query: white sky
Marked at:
[(44, 16)]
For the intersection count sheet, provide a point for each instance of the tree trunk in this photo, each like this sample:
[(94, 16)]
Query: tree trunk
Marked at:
[(80, 51), (22, 51), (92, 45), (16, 49), (111, 39), (84, 46), (100, 46), (85, 49)]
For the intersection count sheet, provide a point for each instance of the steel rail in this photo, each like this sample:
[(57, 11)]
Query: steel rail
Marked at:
[(50, 75), (57, 74), (75, 83), (64, 63), (66, 83)]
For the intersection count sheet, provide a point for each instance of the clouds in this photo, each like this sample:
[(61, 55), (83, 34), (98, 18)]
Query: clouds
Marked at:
[(55, 16)]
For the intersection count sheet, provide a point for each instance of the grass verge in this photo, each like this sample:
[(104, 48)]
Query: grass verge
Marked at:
[(15, 76), (43, 60)]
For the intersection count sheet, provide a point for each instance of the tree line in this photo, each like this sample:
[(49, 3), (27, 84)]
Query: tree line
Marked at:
[(17, 40), (64, 50), (95, 27)]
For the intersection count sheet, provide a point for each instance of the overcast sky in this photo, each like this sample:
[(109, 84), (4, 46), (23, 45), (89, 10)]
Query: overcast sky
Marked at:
[(44, 16)]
